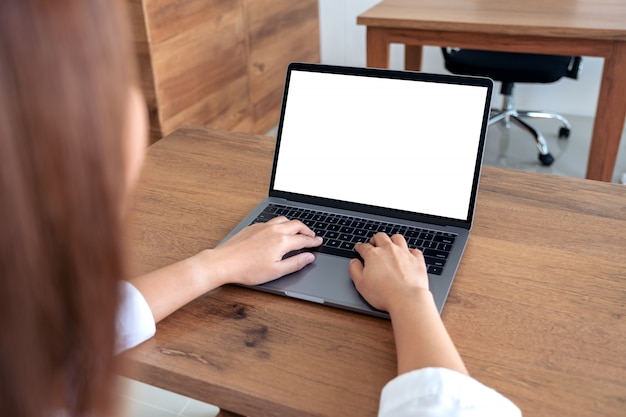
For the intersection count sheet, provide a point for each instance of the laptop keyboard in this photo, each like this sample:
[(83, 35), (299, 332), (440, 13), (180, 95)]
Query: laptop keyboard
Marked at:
[(341, 233)]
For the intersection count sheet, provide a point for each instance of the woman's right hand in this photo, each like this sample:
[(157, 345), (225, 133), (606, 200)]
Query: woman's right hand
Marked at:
[(394, 279), (391, 270)]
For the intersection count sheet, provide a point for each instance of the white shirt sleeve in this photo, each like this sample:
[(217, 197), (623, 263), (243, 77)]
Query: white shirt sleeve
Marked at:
[(435, 392), (135, 323)]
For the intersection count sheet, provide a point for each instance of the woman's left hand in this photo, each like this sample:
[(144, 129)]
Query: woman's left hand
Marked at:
[(255, 254)]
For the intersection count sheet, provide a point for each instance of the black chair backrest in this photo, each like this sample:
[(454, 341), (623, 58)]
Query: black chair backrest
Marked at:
[(572, 71), (574, 68)]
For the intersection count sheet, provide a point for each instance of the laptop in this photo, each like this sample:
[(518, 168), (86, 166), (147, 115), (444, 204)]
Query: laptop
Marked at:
[(363, 150)]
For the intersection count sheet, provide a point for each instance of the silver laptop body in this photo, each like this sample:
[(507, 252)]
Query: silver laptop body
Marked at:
[(399, 148)]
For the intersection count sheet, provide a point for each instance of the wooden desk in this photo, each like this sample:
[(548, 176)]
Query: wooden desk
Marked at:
[(537, 309), (566, 27)]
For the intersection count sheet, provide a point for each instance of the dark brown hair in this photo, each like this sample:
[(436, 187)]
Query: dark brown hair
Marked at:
[(65, 71)]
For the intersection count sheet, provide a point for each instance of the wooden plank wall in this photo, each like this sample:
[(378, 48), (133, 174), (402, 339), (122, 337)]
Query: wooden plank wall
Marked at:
[(220, 63)]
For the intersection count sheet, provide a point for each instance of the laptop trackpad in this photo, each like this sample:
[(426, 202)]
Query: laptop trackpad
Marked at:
[(324, 281)]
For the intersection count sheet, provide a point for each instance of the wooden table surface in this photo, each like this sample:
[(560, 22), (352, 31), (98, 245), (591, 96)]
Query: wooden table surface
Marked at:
[(565, 27), (537, 310)]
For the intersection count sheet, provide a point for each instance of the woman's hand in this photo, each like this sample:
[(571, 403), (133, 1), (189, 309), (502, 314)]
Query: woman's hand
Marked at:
[(394, 279), (391, 270), (252, 256), (255, 254)]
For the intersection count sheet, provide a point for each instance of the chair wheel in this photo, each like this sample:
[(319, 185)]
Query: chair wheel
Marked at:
[(546, 159), (564, 133)]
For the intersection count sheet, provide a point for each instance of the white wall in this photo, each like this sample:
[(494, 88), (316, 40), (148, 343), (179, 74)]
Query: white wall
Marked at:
[(343, 43)]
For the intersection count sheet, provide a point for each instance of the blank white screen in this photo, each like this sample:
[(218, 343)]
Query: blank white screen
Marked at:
[(401, 144)]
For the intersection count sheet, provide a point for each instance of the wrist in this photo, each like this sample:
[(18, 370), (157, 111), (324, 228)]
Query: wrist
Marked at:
[(207, 270), (416, 298)]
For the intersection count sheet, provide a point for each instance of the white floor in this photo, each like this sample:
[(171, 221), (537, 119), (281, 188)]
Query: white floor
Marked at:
[(516, 149), (141, 400), (513, 149)]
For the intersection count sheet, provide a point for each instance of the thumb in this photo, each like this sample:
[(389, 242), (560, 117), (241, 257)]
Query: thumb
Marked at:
[(295, 263), (355, 269)]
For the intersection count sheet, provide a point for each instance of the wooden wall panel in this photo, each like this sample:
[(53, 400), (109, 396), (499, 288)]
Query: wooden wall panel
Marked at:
[(168, 18), (144, 60), (198, 53), (280, 32), (220, 63), (195, 64)]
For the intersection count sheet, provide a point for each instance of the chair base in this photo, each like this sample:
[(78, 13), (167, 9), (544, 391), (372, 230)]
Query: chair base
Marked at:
[(509, 114)]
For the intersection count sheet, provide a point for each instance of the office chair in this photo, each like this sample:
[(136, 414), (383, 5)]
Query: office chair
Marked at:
[(510, 68)]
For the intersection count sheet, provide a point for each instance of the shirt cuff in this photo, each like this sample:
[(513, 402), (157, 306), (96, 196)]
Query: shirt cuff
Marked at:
[(135, 322), (442, 392)]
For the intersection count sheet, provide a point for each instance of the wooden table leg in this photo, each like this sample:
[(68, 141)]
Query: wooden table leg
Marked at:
[(377, 48), (610, 115), (413, 57)]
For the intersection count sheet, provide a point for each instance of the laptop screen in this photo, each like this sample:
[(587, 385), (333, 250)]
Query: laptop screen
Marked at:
[(394, 143)]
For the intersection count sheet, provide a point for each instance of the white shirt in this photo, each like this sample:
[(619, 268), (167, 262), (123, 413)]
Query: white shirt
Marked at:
[(428, 392), (431, 392), (135, 322)]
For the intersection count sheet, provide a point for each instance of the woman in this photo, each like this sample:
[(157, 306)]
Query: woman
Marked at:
[(72, 133)]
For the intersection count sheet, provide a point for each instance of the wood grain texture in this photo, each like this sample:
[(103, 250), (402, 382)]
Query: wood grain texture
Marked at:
[(536, 310), (279, 32), (583, 27), (599, 19), (144, 61), (224, 413), (220, 63)]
